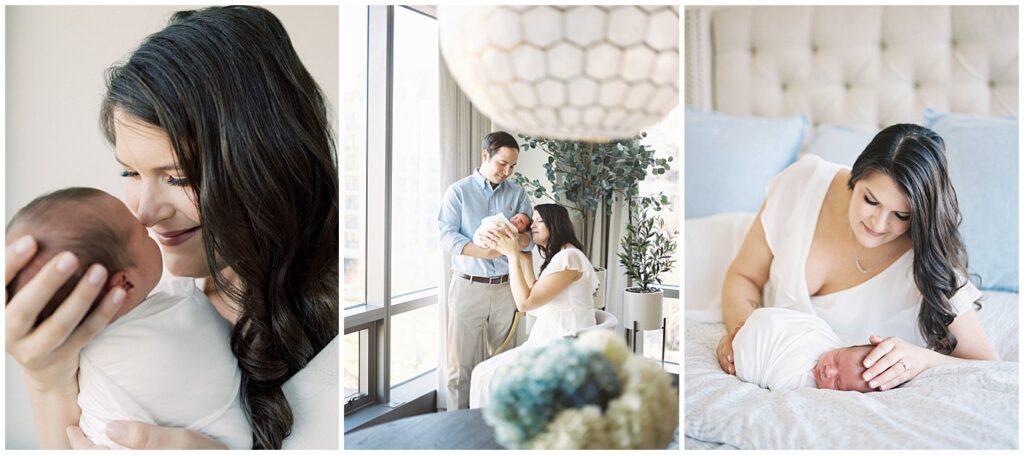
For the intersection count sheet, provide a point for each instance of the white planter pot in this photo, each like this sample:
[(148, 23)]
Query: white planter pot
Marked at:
[(602, 277), (644, 308)]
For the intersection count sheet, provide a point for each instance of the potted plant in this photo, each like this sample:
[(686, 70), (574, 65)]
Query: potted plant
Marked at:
[(588, 177), (648, 250)]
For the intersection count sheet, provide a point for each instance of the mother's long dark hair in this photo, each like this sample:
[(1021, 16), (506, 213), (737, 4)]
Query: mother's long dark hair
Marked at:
[(250, 131), (560, 231), (914, 157)]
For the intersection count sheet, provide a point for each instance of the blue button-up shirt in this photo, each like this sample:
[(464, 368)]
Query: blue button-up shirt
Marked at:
[(464, 205)]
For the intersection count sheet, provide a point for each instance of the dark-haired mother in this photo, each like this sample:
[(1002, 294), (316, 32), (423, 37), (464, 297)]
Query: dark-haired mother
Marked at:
[(228, 158), (873, 250), (561, 298)]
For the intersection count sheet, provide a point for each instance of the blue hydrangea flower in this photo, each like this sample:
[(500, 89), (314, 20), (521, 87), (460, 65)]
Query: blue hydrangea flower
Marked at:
[(544, 381)]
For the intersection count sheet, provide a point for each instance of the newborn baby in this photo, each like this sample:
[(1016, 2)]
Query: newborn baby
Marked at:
[(520, 222), (163, 359), (779, 348)]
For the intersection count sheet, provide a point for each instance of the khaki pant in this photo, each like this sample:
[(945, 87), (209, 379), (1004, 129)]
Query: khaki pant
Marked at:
[(475, 310)]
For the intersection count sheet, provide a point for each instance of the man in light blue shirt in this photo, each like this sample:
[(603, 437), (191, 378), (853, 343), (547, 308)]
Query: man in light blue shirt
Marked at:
[(479, 297)]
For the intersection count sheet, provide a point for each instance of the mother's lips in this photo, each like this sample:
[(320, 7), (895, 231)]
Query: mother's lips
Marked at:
[(177, 237)]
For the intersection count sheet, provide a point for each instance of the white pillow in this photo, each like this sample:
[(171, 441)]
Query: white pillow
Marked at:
[(711, 243)]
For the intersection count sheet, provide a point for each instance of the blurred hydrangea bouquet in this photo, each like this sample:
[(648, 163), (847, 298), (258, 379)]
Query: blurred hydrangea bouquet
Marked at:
[(587, 393)]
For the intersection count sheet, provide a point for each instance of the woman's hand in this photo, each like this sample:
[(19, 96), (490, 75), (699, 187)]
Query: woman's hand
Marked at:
[(894, 361), (724, 351), (143, 436), (505, 241), (49, 353)]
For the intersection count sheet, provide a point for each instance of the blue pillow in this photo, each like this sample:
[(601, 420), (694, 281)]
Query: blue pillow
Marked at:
[(839, 144), (982, 154), (730, 159)]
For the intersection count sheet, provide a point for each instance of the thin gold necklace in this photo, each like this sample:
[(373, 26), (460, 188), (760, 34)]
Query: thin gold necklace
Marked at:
[(856, 256)]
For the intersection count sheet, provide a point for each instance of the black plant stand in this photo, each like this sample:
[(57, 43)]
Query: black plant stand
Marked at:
[(632, 333)]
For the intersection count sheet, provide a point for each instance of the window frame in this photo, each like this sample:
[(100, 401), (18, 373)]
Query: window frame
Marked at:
[(374, 315)]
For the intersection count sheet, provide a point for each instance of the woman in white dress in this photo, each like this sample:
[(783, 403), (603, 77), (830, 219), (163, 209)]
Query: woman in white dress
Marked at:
[(562, 298), (874, 250), (225, 145)]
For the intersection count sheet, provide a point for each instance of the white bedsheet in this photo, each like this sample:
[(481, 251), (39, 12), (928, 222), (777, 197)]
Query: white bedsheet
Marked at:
[(968, 405)]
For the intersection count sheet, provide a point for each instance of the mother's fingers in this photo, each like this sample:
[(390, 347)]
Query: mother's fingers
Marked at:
[(882, 365), (892, 368), (61, 324), (18, 254), (882, 347), (893, 377), (24, 307)]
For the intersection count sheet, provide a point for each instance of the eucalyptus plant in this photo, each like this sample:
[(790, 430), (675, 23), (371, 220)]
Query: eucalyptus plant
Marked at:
[(648, 250), (588, 176)]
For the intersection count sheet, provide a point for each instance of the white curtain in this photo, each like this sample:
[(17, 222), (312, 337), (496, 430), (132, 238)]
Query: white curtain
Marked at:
[(462, 131)]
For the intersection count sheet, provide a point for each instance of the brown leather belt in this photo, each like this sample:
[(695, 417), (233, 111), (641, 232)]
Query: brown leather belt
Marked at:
[(484, 279)]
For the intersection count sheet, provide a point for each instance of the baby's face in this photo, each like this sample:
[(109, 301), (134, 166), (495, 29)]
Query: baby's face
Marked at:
[(843, 369), (521, 222)]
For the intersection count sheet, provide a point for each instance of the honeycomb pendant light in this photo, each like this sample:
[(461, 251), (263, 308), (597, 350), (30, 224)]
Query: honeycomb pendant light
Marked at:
[(566, 72)]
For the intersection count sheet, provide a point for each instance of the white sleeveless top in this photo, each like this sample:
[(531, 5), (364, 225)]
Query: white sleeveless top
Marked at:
[(885, 305), (573, 308)]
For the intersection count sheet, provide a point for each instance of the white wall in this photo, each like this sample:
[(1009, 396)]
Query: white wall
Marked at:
[(56, 57)]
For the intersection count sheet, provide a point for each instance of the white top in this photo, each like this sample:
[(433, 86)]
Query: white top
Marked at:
[(573, 308), (885, 305), (777, 348), (312, 393), (166, 362)]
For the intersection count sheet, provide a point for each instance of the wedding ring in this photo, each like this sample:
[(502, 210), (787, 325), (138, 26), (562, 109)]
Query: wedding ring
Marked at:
[(904, 365)]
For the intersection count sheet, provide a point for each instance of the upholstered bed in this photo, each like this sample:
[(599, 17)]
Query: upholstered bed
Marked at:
[(767, 84)]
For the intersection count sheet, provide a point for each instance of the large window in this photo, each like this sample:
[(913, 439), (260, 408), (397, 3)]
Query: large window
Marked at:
[(392, 197)]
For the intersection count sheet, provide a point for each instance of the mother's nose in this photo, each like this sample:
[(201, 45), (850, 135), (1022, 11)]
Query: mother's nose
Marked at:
[(150, 207)]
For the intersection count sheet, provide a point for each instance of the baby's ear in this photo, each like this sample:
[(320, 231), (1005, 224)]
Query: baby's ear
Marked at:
[(119, 280)]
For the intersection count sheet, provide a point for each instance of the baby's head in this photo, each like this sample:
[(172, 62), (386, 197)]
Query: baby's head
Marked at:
[(843, 369), (521, 221), (99, 229)]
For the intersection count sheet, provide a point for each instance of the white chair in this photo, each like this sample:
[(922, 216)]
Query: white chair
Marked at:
[(605, 321)]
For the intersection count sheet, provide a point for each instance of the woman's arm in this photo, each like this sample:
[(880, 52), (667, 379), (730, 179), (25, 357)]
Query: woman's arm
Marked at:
[(48, 354), (746, 276), (529, 293), (543, 291), (742, 288), (895, 361), (526, 263)]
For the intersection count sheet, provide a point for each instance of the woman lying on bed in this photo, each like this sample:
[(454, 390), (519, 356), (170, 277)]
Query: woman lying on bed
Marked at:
[(871, 250)]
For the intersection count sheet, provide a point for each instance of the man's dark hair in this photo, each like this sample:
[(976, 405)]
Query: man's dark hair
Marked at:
[(69, 227), (496, 140)]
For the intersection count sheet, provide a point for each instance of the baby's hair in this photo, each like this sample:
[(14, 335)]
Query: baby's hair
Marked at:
[(63, 221)]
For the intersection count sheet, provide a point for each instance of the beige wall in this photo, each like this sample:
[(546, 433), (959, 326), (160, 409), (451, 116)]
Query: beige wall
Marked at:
[(56, 57)]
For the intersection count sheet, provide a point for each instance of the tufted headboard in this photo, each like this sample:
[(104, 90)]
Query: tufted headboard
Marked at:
[(856, 66)]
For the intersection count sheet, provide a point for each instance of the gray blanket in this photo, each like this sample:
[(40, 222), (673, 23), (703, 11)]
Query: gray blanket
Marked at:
[(964, 405)]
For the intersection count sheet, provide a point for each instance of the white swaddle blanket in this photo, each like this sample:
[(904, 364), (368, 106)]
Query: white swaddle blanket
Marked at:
[(166, 362), (777, 348), (486, 224)]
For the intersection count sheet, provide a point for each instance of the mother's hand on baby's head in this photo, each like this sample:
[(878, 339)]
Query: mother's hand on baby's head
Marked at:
[(143, 436), (48, 353), (894, 361)]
